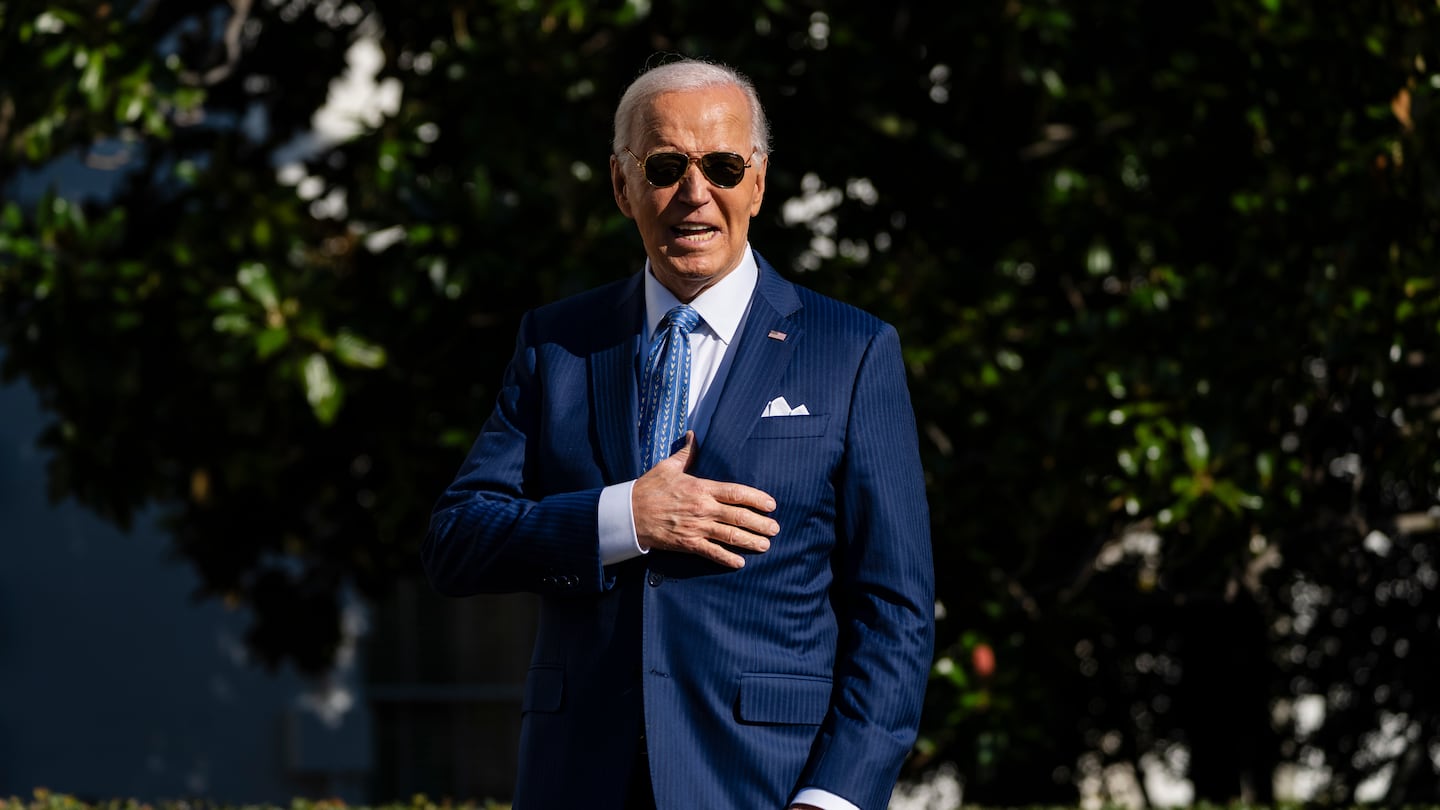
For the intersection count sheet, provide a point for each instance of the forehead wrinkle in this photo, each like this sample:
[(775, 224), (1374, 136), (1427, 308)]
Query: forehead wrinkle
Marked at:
[(717, 120), (658, 137)]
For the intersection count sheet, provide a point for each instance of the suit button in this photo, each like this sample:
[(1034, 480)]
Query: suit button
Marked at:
[(656, 578), (569, 580)]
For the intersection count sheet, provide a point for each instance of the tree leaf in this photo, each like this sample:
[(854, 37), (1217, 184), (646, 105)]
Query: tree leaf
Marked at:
[(322, 388), (254, 278), (355, 351), (1196, 448), (271, 340)]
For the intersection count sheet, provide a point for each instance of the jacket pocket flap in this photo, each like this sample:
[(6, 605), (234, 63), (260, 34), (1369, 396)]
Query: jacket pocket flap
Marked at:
[(788, 427), (544, 690), (792, 699)]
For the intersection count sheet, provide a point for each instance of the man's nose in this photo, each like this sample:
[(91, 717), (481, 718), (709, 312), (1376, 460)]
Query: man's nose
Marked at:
[(694, 187)]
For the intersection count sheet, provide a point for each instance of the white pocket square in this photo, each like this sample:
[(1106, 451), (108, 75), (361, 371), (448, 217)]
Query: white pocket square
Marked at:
[(779, 407)]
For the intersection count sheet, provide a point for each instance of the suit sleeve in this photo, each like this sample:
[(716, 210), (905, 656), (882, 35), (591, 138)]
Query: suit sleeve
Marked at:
[(486, 533), (886, 589)]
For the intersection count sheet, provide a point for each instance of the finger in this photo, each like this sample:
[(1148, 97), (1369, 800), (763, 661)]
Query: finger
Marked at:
[(739, 538), (718, 554), (686, 451), (749, 521), (741, 495)]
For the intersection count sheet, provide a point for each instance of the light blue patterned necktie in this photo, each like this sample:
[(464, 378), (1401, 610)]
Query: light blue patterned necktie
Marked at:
[(665, 388)]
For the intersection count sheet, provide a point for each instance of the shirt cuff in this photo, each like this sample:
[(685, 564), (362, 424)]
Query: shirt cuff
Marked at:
[(618, 542), (823, 799)]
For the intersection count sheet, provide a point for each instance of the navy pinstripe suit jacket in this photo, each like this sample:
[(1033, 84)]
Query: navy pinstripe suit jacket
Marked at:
[(808, 666)]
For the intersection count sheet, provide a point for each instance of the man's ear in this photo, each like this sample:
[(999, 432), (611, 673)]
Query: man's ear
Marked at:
[(759, 170), (619, 185)]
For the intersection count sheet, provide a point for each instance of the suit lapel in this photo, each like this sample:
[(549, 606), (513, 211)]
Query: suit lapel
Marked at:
[(772, 330), (613, 386)]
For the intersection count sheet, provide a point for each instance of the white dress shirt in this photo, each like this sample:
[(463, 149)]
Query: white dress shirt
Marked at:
[(722, 307)]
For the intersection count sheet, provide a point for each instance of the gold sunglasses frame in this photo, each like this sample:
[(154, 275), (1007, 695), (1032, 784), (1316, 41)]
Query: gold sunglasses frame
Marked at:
[(640, 163)]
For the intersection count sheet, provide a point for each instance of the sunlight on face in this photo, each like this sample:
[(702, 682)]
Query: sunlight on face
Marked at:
[(694, 231)]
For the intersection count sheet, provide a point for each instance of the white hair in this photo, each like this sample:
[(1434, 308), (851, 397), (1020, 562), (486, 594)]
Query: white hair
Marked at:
[(679, 76)]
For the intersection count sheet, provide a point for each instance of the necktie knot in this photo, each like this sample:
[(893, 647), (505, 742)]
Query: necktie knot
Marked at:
[(683, 317)]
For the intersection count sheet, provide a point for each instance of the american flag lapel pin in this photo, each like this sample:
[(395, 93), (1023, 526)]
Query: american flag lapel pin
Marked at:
[(776, 334)]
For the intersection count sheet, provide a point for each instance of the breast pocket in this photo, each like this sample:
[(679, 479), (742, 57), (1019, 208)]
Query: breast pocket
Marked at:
[(790, 427)]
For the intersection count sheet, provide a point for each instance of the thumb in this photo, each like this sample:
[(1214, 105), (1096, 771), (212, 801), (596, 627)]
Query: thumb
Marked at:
[(687, 450)]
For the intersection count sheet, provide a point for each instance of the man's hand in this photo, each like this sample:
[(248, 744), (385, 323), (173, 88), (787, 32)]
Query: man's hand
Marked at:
[(675, 511)]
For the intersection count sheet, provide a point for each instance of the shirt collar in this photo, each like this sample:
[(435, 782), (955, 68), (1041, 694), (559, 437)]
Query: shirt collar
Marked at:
[(721, 306)]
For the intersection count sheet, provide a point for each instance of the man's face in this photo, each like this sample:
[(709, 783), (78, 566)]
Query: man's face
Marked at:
[(694, 231)]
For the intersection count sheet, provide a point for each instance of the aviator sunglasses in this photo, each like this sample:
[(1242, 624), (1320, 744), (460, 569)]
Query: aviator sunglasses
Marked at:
[(661, 169)]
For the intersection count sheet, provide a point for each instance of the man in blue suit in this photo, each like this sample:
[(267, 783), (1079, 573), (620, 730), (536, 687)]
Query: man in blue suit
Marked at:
[(711, 477)]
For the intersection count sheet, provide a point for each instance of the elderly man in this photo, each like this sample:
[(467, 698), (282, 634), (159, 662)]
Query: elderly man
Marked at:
[(711, 476)]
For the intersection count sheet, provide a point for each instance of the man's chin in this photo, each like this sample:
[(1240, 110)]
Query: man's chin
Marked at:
[(688, 277)]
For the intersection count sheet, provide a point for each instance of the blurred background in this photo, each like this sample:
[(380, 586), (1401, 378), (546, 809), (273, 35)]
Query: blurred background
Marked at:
[(1166, 276)]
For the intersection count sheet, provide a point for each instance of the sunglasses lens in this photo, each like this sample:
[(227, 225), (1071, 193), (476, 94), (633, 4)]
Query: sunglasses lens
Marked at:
[(725, 169), (666, 168)]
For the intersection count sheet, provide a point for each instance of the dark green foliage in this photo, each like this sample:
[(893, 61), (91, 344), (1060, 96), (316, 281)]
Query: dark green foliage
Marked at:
[(1165, 273)]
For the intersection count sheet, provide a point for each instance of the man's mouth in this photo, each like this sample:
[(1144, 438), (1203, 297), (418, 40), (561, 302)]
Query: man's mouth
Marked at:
[(691, 232)]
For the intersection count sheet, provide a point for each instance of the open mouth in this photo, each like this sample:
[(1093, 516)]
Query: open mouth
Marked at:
[(694, 233)]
